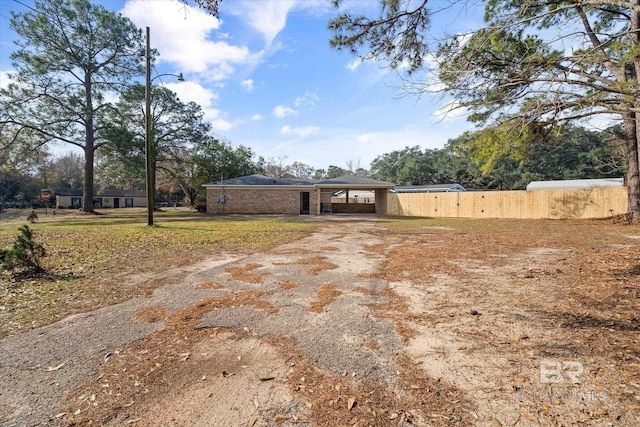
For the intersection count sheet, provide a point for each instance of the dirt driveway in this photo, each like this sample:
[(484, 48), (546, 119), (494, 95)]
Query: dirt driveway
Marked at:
[(364, 323)]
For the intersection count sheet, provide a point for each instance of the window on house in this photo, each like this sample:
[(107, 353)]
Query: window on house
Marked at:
[(128, 202), (76, 202), (97, 202)]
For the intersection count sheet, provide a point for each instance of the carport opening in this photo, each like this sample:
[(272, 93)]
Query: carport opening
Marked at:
[(347, 200)]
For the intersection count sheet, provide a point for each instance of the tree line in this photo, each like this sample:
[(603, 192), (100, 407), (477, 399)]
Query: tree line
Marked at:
[(530, 76), (531, 64), (495, 158), (72, 56)]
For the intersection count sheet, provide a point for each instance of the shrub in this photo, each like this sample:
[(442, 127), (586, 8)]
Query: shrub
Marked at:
[(33, 217), (24, 253)]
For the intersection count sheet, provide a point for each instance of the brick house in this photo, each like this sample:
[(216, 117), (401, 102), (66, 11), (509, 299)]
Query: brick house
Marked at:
[(259, 194)]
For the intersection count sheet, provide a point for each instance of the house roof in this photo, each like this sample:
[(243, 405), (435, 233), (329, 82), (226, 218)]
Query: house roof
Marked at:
[(109, 192), (68, 192), (258, 180), (436, 188), (261, 181), (575, 184), (353, 181)]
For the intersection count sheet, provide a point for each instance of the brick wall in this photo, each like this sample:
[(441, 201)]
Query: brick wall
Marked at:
[(261, 201)]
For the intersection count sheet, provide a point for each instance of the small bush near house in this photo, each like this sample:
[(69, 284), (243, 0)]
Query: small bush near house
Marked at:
[(24, 253)]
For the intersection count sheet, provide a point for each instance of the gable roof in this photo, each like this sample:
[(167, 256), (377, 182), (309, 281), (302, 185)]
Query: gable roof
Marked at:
[(68, 192), (109, 192), (258, 180), (353, 181), (261, 180)]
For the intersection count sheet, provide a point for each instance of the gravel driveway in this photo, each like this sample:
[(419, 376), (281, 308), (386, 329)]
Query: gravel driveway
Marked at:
[(349, 326)]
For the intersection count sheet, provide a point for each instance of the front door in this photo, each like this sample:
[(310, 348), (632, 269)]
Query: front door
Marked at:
[(116, 202), (304, 203)]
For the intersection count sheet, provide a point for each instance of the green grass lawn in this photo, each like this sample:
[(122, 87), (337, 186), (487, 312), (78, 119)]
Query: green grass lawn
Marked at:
[(90, 261)]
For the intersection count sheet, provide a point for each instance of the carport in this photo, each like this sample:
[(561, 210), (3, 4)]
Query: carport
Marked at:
[(352, 183)]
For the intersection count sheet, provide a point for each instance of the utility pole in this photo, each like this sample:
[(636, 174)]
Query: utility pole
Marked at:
[(148, 134)]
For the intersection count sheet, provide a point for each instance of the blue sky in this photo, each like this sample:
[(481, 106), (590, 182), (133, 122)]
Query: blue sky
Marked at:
[(267, 79)]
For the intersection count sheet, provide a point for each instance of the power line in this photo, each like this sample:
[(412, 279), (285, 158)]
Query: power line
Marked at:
[(27, 6)]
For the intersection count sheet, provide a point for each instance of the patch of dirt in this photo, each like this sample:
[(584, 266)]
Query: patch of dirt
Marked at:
[(317, 263), (245, 273), (288, 285), (151, 314), (210, 285), (327, 294), (430, 323), (508, 320)]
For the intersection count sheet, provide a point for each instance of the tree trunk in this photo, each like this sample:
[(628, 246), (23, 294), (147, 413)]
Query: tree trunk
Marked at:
[(153, 179), (633, 169), (87, 194), (632, 125), (631, 130), (89, 147)]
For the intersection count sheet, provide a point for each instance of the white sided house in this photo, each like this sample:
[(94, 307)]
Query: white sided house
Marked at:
[(72, 198)]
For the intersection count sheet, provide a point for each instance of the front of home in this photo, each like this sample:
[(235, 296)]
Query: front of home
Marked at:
[(72, 198), (259, 194)]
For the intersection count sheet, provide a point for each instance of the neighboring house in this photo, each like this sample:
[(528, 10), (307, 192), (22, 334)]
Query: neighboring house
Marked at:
[(355, 196), (437, 188), (259, 194), (573, 184), (71, 198)]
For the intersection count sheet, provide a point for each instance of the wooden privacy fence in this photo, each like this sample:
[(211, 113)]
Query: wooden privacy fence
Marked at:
[(552, 204)]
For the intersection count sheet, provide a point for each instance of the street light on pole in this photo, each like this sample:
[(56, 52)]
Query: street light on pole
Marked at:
[(149, 131)]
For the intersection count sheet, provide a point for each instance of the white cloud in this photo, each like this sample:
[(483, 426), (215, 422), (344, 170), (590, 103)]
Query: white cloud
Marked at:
[(450, 111), (111, 97), (309, 98), (247, 85), (179, 33), (335, 146), (5, 79), (268, 19), (282, 111), (300, 132), (354, 64), (257, 117), (218, 122), (364, 139), (193, 92)]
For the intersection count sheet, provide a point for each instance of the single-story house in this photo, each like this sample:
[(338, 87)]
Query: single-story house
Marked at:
[(71, 198), (437, 188), (259, 194), (572, 184)]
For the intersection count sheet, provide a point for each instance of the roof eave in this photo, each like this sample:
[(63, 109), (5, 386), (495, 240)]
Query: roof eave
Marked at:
[(351, 186), (248, 187)]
